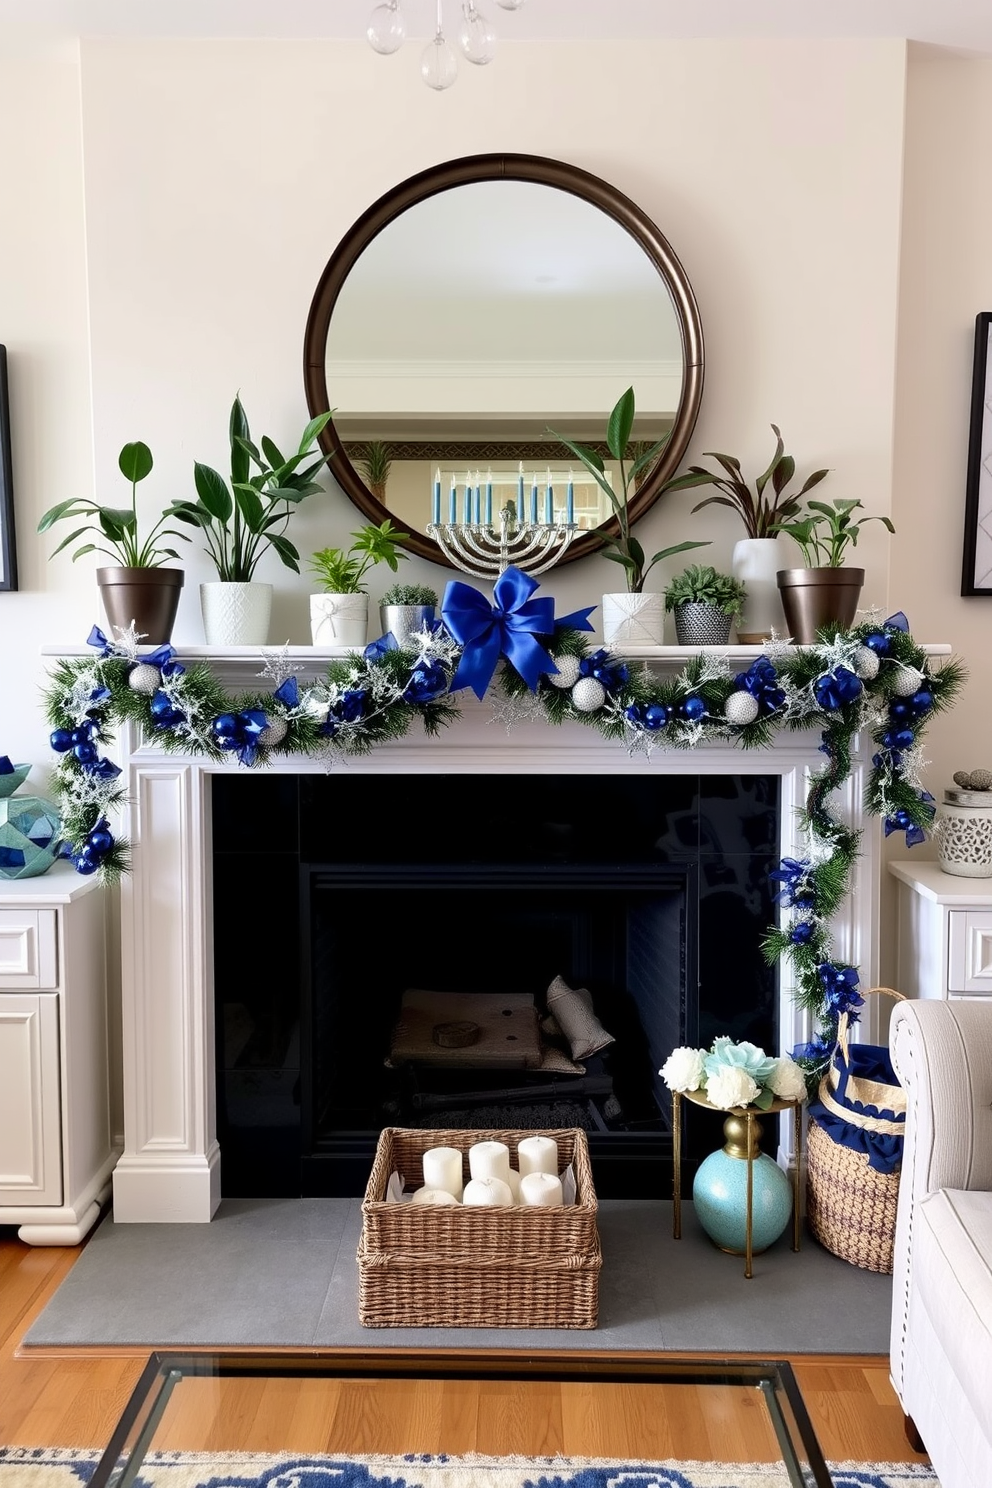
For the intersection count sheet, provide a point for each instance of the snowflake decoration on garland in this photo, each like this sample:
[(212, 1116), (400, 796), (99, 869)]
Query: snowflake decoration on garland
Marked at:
[(872, 679)]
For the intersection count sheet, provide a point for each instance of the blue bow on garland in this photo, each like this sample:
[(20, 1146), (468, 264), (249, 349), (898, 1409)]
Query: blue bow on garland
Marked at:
[(239, 732), (878, 641), (761, 681), (836, 688), (508, 627)]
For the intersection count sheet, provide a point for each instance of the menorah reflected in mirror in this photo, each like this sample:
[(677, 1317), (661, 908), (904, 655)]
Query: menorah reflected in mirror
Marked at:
[(532, 541)]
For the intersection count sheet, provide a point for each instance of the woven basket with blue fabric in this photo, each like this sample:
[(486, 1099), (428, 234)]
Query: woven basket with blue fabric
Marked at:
[(854, 1152)]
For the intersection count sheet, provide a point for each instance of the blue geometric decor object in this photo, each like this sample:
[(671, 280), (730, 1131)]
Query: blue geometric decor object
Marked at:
[(29, 826), (719, 1193)]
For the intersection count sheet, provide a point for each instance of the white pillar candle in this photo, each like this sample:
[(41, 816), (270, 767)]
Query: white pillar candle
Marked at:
[(434, 1198), (543, 1190), (489, 1160), (490, 1193), (443, 1169), (538, 1155)]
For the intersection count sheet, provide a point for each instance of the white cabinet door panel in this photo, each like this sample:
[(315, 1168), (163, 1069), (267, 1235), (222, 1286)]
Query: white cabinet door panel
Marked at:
[(969, 951), (30, 1139)]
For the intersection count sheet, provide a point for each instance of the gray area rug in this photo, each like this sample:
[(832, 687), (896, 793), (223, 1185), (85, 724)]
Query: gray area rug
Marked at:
[(282, 1273)]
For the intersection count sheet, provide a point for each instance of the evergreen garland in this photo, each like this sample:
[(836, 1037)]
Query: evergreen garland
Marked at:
[(871, 679)]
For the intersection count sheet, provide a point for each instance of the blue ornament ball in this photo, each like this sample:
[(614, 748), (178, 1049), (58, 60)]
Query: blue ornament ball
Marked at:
[(100, 840), (61, 740)]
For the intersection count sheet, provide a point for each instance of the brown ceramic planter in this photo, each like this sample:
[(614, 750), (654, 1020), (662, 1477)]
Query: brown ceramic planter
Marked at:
[(812, 597), (148, 596)]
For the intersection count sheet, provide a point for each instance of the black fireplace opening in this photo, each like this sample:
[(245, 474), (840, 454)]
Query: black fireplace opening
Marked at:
[(393, 966)]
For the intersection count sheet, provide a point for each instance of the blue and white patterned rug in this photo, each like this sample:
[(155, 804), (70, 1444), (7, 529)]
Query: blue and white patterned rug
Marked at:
[(43, 1467)]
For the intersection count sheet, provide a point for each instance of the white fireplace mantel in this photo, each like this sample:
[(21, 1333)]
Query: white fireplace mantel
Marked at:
[(170, 1167)]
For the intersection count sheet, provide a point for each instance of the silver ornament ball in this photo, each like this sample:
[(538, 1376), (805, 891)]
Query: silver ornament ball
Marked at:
[(906, 681), (144, 678), (273, 733), (740, 707), (866, 663), (588, 695), (567, 674)]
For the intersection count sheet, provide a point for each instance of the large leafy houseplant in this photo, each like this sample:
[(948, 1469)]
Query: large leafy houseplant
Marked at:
[(826, 591), (622, 547), (117, 526), (761, 506), (244, 517)]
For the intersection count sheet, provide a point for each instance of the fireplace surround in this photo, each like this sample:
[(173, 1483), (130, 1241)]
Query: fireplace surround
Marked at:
[(171, 1164), (651, 892)]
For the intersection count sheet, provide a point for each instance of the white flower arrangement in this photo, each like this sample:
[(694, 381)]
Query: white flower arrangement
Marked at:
[(732, 1074)]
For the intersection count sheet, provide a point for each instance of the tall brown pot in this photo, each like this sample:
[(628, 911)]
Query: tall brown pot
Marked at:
[(812, 597), (148, 596)]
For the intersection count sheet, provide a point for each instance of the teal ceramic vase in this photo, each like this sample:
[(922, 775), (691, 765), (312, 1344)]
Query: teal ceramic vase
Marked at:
[(29, 826), (719, 1192)]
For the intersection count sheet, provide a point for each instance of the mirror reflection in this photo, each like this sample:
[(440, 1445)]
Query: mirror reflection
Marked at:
[(454, 329)]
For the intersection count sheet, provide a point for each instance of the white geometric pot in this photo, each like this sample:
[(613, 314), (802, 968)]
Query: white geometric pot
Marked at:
[(339, 619), (964, 838), (235, 613), (633, 619), (755, 562)]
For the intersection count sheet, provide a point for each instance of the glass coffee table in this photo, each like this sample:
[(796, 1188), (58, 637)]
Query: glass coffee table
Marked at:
[(646, 1407)]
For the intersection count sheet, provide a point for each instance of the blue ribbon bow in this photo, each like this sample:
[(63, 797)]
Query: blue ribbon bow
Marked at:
[(761, 681), (840, 988), (796, 891), (611, 674), (96, 637), (836, 688), (349, 708), (288, 693), (507, 627), (238, 732), (376, 650)]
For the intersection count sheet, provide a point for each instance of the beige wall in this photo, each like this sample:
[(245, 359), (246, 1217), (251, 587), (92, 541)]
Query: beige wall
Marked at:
[(214, 178)]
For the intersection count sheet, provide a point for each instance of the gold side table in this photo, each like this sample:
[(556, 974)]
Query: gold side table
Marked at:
[(750, 1116)]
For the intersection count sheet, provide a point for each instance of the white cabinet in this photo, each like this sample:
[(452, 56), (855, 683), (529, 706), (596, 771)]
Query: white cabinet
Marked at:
[(56, 1150), (945, 932)]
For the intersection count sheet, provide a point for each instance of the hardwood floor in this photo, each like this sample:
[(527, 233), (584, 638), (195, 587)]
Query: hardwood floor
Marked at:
[(74, 1399)]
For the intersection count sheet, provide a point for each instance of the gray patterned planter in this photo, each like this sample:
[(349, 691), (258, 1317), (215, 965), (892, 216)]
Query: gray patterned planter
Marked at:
[(701, 625)]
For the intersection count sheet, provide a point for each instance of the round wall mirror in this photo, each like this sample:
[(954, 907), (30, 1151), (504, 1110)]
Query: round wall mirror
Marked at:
[(479, 305)]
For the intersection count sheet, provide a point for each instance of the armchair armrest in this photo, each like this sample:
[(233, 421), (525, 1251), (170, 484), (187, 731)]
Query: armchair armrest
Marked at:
[(942, 1056)]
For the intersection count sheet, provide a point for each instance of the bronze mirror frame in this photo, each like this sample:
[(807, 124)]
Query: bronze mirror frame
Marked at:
[(470, 169)]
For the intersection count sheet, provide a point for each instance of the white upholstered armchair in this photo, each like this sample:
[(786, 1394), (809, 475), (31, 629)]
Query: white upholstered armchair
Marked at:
[(941, 1344)]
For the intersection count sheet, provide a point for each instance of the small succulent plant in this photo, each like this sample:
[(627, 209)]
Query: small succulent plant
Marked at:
[(974, 780)]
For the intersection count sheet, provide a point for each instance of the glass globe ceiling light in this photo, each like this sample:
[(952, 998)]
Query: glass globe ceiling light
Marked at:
[(438, 66), (386, 33), (474, 35), (387, 28)]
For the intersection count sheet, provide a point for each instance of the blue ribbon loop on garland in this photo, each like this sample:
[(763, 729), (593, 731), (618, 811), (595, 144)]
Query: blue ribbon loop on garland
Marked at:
[(238, 732), (508, 627), (288, 693)]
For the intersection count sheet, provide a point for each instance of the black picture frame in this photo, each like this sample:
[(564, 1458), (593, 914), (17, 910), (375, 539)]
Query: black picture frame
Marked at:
[(8, 548), (976, 575)]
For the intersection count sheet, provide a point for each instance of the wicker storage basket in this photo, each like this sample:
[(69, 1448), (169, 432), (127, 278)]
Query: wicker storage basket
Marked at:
[(850, 1204), (850, 1208), (465, 1267)]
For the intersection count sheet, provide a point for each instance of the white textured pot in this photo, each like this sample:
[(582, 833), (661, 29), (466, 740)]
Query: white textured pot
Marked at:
[(755, 562), (235, 614), (339, 619), (633, 619)]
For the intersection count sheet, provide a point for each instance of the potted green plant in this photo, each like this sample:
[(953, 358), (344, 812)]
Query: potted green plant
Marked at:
[(761, 504), (632, 617), (339, 614), (139, 588), (375, 465), (706, 603), (405, 609), (825, 591), (242, 519)]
